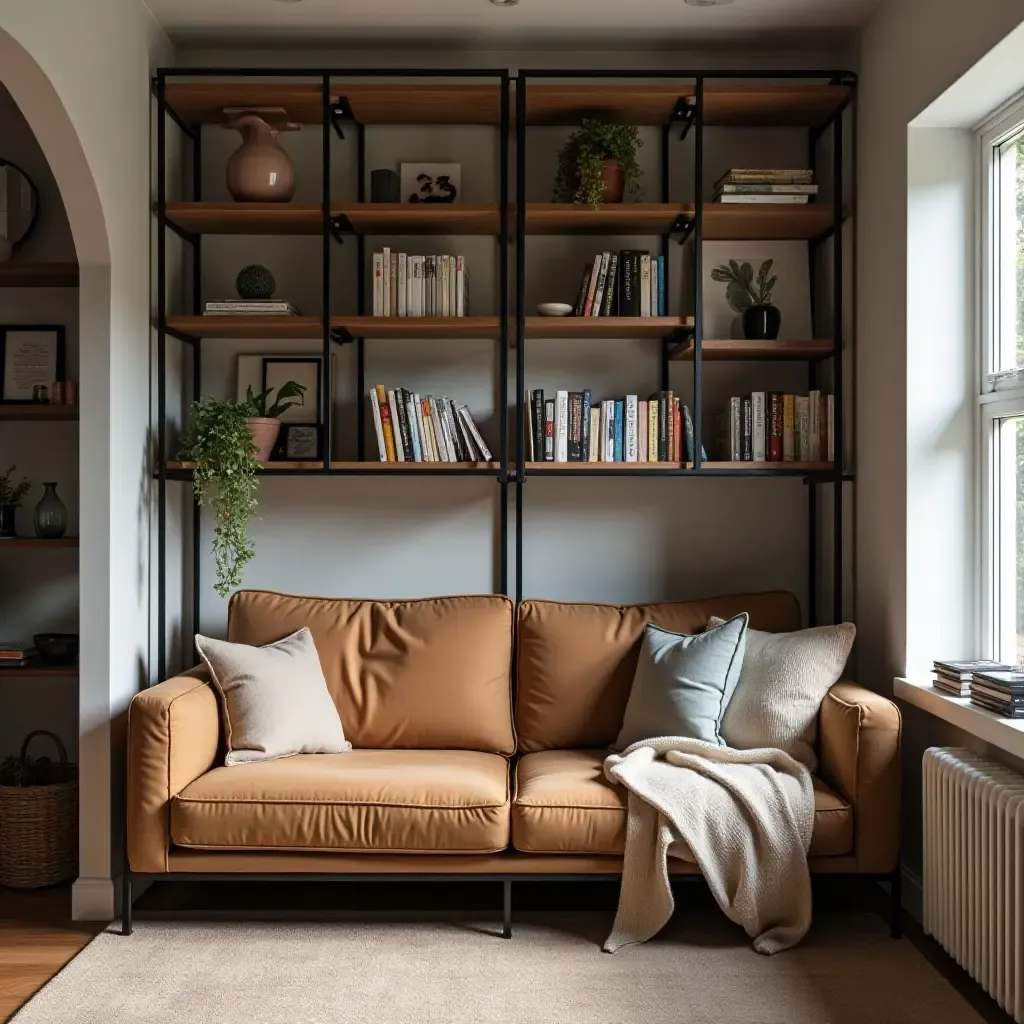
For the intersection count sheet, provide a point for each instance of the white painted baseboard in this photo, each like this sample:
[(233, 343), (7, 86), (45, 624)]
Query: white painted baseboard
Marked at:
[(94, 899)]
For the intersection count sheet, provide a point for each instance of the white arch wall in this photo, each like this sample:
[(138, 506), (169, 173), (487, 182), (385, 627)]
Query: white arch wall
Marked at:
[(80, 74)]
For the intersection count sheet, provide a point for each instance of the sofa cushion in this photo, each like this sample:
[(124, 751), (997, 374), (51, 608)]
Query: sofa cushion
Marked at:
[(433, 674), (577, 661), (380, 801), (564, 804)]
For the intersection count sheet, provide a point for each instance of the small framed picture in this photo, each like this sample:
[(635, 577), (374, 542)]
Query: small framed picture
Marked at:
[(431, 183), (30, 355), (278, 370), (298, 442)]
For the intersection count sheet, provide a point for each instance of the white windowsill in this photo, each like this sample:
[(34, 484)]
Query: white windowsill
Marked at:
[(1005, 733)]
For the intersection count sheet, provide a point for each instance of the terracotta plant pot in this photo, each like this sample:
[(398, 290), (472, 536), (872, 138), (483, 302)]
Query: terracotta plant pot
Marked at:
[(613, 181), (260, 171), (264, 435)]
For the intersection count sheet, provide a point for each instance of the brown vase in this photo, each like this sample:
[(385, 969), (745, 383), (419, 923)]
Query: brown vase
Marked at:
[(264, 435), (260, 171), (613, 181)]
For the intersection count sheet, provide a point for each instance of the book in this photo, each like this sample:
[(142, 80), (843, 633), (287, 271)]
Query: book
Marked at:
[(641, 431), (630, 440), (403, 420), (602, 279), (414, 433), (755, 175), (1006, 711), (670, 440), (662, 288), (587, 401), (645, 284), (378, 291), (393, 285), (735, 430), (788, 429), (467, 417), (17, 653), (595, 273), (654, 287), (378, 425), (629, 287), (760, 427), (677, 431), (403, 284), (747, 450), (594, 437), (690, 439), (243, 307), (620, 426), (608, 302), (730, 199), (561, 426), (775, 424), (652, 429), (528, 435), (1005, 677), (802, 428), (421, 428), (581, 297), (767, 188), (607, 445), (384, 408), (396, 428), (814, 427), (537, 420), (575, 437), (1015, 696), (549, 430)]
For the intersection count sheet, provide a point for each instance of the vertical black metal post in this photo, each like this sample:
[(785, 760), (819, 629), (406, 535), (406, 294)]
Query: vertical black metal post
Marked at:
[(503, 328), (161, 356), (666, 185), (361, 299), (197, 363), (837, 363), (698, 271), (520, 320), (812, 383), (326, 242)]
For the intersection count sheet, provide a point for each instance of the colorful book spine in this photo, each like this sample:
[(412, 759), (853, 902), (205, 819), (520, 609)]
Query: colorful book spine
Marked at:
[(620, 425), (662, 288), (788, 428), (630, 441), (549, 430), (561, 426)]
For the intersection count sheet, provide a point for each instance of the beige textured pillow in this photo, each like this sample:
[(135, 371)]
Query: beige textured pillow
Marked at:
[(275, 699), (784, 679)]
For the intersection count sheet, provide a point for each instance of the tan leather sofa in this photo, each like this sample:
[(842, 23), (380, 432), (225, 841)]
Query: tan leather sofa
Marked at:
[(455, 771)]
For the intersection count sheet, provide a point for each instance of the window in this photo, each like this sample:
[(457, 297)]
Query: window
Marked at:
[(1002, 382)]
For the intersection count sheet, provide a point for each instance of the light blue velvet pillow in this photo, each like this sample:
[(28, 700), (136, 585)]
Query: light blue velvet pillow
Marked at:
[(683, 684)]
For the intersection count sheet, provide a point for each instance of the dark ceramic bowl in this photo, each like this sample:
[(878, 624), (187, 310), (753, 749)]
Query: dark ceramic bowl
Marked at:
[(57, 648)]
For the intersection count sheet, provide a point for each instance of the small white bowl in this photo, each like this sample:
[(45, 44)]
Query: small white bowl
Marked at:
[(554, 309)]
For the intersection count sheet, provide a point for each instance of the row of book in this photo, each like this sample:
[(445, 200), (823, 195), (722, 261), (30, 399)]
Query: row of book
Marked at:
[(406, 285), (571, 427), (752, 185), (768, 426), (630, 282), (990, 685), (17, 655), (411, 428)]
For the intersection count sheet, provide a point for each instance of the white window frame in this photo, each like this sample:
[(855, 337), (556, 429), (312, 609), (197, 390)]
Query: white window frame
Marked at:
[(1000, 395)]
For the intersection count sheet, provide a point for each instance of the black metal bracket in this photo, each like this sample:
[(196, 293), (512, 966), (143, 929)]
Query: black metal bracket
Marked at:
[(340, 227), (847, 78), (342, 336), (684, 114), (683, 227), (341, 110)]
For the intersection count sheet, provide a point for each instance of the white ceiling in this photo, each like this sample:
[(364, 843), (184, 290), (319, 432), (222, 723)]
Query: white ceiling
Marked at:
[(531, 22)]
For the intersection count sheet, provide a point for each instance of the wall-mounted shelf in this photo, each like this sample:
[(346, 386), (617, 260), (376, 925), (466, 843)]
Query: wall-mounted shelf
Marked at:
[(183, 470), (769, 351), (9, 543), (37, 670), (654, 468), (38, 275), (305, 327), (30, 412), (605, 326)]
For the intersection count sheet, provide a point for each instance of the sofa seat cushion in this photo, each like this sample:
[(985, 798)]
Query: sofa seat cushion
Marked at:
[(380, 801), (564, 804)]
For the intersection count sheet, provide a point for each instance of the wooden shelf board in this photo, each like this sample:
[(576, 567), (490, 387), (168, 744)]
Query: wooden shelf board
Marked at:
[(277, 467), (373, 468), (661, 467), (31, 412), (38, 542), (714, 350), (37, 670), (371, 103), (655, 104), (247, 218), (610, 219), (417, 327), (604, 326), (38, 275), (766, 221), (269, 327), (419, 219)]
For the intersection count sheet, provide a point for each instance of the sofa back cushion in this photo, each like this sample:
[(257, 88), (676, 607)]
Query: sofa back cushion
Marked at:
[(432, 674), (577, 661)]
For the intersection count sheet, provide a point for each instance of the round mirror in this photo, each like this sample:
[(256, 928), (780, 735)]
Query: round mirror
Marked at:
[(19, 207)]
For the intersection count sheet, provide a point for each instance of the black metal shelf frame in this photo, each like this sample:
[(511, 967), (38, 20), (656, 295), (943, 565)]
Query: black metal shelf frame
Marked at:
[(687, 118)]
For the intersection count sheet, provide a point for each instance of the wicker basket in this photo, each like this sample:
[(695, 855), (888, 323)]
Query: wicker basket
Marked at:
[(39, 826)]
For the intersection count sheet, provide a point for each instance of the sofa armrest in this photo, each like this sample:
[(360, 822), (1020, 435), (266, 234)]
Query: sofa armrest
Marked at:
[(859, 745), (173, 738)]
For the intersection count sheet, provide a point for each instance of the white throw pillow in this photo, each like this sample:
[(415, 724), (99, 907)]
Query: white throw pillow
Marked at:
[(784, 679), (275, 699)]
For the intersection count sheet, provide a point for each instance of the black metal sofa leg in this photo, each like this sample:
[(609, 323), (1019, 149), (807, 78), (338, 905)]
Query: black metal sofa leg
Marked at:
[(506, 931), (126, 902)]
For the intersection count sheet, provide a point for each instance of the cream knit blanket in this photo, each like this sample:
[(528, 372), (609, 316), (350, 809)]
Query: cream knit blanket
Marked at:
[(743, 816)]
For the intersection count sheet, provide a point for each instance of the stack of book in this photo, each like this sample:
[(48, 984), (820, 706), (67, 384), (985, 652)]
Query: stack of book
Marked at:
[(749, 185), (571, 427), (17, 655), (954, 677), (626, 283), (768, 426), (1001, 692), (419, 285), (250, 307), (411, 428)]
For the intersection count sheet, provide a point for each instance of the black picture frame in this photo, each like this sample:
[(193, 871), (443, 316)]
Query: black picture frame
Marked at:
[(59, 356), (293, 443), (317, 361)]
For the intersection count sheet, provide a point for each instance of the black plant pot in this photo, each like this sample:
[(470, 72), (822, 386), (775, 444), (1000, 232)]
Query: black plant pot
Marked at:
[(761, 323), (7, 520)]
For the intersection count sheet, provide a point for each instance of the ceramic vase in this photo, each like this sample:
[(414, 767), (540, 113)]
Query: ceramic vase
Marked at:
[(260, 171), (51, 514), (264, 435), (761, 323)]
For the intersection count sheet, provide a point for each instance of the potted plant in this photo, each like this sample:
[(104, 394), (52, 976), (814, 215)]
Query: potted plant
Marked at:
[(598, 164), (11, 497), (752, 300), (227, 441)]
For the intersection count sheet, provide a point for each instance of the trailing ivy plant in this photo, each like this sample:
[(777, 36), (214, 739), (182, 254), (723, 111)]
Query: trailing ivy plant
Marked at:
[(580, 162), (219, 442), (741, 290), (10, 492)]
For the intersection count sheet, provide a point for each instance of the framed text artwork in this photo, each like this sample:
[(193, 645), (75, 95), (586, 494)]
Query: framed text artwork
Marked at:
[(31, 355)]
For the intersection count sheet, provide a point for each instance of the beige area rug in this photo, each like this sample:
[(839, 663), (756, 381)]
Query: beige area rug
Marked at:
[(701, 969)]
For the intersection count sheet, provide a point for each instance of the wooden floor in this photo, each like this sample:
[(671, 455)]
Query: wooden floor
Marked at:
[(37, 938)]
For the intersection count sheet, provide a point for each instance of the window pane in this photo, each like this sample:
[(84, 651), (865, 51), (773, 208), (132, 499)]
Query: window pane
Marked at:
[(1009, 255), (1009, 534)]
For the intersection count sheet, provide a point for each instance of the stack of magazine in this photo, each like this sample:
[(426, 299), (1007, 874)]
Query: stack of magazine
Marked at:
[(955, 677), (250, 307), (753, 185), (999, 691)]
